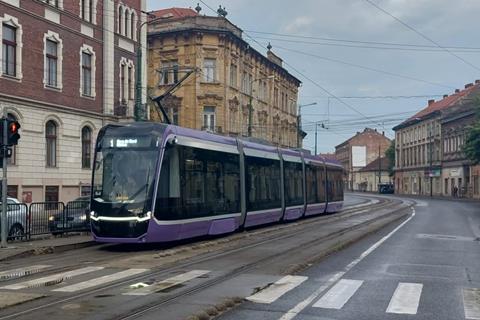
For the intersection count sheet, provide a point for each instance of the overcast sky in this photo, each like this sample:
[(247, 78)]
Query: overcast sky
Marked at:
[(351, 49)]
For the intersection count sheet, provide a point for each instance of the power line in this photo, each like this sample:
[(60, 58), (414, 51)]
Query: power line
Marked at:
[(422, 35), (368, 47), (296, 36), (364, 67)]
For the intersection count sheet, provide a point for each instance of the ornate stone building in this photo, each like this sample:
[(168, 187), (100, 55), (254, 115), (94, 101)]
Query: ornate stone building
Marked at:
[(227, 76)]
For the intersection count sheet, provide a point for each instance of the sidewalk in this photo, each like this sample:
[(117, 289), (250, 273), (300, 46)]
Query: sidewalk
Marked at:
[(37, 247), (415, 196)]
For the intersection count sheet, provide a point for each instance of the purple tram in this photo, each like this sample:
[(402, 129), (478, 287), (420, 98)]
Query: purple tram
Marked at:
[(155, 182)]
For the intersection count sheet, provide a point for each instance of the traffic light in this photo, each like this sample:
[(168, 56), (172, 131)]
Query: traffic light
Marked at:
[(12, 132)]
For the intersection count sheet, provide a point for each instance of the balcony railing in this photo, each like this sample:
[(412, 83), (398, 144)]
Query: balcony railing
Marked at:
[(212, 129)]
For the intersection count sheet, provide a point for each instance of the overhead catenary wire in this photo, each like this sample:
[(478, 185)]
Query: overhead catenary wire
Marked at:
[(422, 35)]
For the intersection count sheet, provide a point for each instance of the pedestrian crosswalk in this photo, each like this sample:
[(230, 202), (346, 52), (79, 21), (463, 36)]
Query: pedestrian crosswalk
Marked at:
[(404, 298)]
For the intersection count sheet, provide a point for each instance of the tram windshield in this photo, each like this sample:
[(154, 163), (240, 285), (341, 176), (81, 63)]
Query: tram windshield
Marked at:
[(124, 169)]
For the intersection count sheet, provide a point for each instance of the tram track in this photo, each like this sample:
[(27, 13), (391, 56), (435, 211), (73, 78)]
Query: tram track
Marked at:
[(269, 235)]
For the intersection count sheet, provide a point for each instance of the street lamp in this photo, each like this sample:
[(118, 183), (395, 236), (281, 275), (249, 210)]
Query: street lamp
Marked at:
[(299, 120), (138, 111), (250, 106)]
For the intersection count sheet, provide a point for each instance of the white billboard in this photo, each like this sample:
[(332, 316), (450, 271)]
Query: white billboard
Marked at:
[(359, 156)]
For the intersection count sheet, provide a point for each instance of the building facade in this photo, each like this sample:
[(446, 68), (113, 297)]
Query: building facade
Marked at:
[(68, 68), (375, 173), (227, 77), (358, 151), (428, 157)]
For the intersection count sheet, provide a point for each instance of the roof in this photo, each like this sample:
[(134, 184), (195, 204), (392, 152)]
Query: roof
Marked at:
[(174, 13), (365, 131), (441, 105), (329, 156), (376, 164)]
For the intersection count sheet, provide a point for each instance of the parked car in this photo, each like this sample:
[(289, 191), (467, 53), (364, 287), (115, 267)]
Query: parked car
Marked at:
[(75, 217), (386, 188), (16, 218)]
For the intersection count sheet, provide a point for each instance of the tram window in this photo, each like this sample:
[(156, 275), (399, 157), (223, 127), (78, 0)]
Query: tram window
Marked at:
[(321, 184), (197, 183), (293, 183), (263, 183), (311, 181), (335, 185)]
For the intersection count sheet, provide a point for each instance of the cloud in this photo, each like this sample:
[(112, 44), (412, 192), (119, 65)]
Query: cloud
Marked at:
[(298, 24)]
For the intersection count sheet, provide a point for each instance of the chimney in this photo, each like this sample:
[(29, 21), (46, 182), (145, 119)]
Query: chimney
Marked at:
[(477, 81), (468, 85), (457, 90), (431, 101), (445, 95)]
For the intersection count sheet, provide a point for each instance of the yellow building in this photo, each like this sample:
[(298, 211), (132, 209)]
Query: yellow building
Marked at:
[(228, 76)]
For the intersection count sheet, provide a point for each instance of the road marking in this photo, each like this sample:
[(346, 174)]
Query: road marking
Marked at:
[(339, 294), (471, 303), (277, 289), (51, 280), (22, 272), (101, 280), (293, 312), (406, 298), (145, 289)]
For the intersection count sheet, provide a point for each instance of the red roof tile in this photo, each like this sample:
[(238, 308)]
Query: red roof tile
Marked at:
[(175, 13), (445, 103)]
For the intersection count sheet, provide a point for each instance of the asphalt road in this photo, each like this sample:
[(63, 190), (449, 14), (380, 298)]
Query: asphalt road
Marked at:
[(426, 268)]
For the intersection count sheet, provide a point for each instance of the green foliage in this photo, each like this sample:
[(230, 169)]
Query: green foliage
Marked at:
[(472, 143), (390, 154)]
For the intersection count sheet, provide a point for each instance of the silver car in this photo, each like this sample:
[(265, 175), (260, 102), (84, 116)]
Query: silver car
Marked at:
[(16, 218)]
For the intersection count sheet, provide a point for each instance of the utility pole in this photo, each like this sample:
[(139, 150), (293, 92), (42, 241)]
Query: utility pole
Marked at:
[(316, 132), (4, 179), (431, 161), (379, 167)]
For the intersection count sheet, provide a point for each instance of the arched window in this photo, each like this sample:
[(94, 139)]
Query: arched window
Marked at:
[(132, 31), (86, 147), (120, 20), (12, 159), (51, 142), (127, 23)]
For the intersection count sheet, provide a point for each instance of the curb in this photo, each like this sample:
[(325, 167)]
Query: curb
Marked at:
[(49, 249)]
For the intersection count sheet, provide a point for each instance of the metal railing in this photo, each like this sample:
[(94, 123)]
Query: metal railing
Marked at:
[(42, 218)]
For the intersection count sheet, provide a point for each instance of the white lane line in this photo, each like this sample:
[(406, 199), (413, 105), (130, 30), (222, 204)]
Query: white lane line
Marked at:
[(167, 283), (471, 303), (22, 272), (339, 294), (101, 280), (406, 298), (51, 280), (277, 289), (293, 312)]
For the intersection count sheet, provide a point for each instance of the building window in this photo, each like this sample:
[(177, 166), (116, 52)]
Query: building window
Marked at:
[(233, 75), (51, 55), (133, 22), (53, 60), (123, 92), (173, 115), (9, 50), (85, 191), (127, 23), (120, 19), (88, 10), (209, 118), (87, 73), (169, 73), (86, 147), (209, 70), (54, 3), (51, 194), (51, 142), (130, 83)]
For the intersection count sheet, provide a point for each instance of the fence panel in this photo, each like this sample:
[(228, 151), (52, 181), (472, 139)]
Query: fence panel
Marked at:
[(43, 217)]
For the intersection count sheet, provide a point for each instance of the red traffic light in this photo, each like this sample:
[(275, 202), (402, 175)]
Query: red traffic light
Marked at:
[(12, 132), (13, 128)]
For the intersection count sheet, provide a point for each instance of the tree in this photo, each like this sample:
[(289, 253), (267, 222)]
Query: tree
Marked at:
[(390, 154), (472, 143)]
